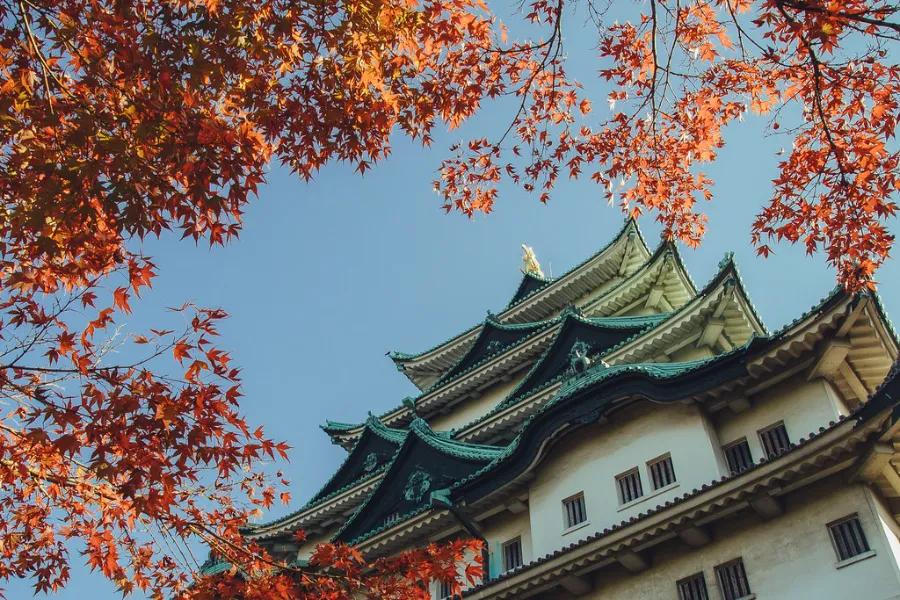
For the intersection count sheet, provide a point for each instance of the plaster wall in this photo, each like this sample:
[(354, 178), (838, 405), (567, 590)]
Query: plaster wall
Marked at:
[(691, 352), (589, 460), (804, 406), (312, 541), (788, 558), (596, 292), (470, 409), (502, 528), (641, 310)]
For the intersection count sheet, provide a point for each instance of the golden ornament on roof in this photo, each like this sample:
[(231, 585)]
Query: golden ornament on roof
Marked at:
[(531, 263)]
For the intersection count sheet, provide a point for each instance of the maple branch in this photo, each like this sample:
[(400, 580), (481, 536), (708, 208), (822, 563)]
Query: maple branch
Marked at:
[(557, 32), (817, 89), (849, 16), (40, 56)]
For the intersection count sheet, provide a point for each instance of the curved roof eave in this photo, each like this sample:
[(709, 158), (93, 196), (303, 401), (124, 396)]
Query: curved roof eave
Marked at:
[(402, 359), (421, 432)]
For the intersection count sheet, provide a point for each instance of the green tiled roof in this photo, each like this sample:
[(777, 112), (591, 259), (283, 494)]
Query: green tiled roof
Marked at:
[(628, 223), (447, 445), (530, 284), (403, 356), (537, 326), (601, 371), (376, 427), (441, 442), (214, 567), (518, 395), (595, 375)]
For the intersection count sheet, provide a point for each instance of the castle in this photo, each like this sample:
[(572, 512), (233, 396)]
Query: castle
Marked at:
[(618, 432)]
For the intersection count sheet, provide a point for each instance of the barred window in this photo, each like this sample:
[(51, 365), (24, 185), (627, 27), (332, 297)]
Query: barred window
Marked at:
[(661, 472), (738, 456), (848, 538), (391, 518), (733, 580), (774, 440), (692, 588), (446, 590), (575, 511), (512, 554), (629, 485)]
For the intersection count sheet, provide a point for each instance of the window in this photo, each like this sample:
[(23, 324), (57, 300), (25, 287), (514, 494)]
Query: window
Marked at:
[(512, 554), (692, 588), (446, 590), (391, 518), (575, 511), (629, 486), (848, 538), (774, 440), (733, 580), (661, 472), (738, 456)]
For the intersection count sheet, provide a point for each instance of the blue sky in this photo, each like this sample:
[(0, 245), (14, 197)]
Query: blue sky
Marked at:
[(329, 276)]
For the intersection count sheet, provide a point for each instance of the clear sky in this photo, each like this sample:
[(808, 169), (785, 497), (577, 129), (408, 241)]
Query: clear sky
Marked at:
[(328, 277)]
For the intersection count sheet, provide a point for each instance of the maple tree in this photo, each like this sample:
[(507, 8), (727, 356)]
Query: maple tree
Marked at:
[(680, 73), (120, 120), (126, 119)]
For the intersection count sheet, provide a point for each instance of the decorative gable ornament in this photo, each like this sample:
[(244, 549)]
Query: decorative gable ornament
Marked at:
[(417, 486), (729, 256), (578, 357), (371, 462), (493, 347), (571, 309)]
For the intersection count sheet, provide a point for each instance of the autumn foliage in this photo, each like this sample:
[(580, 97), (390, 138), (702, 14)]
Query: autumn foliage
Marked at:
[(681, 72), (126, 119)]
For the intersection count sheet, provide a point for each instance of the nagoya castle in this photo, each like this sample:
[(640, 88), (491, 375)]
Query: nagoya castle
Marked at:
[(621, 432)]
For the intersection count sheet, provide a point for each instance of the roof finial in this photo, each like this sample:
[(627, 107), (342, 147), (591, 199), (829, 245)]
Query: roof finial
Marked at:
[(410, 403), (531, 263)]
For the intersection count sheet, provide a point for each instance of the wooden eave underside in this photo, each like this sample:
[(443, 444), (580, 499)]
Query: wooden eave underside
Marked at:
[(859, 337), (797, 351), (662, 273), (833, 452), (653, 346), (725, 304), (322, 516), (663, 281), (396, 538), (426, 369)]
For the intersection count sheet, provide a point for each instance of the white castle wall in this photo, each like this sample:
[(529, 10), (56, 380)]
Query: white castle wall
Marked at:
[(804, 406), (470, 409), (589, 460), (788, 558)]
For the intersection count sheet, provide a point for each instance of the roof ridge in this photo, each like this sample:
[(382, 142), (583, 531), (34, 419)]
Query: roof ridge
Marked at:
[(514, 397), (629, 222)]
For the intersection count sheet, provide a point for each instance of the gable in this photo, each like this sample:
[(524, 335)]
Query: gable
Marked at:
[(371, 453), (418, 470), (592, 337), (494, 338)]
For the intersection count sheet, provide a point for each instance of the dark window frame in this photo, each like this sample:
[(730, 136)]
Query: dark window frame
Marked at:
[(732, 579), (661, 470), (733, 454), (693, 587), (848, 538), (770, 437), (629, 486), (509, 565), (571, 512)]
